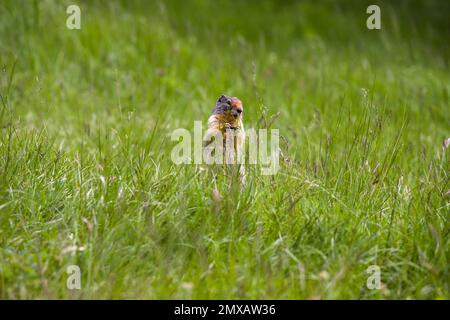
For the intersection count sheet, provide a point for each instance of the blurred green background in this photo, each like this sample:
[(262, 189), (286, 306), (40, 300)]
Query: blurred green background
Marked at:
[(86, 175)]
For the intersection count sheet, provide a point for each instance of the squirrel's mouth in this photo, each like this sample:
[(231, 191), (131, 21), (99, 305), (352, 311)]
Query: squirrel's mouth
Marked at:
[(235, 115)]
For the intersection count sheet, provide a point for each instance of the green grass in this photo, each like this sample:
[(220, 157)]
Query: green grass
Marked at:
[(85, 146)]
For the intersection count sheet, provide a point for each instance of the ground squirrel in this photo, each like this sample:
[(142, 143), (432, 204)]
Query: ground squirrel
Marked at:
[(226, 119)]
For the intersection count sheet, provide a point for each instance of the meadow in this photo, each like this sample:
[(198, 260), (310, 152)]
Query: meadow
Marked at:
[(86, 176)]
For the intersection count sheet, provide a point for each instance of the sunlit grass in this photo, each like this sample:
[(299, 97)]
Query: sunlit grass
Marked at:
[(87, 178)]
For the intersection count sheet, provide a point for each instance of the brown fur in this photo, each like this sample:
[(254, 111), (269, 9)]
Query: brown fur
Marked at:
[(227, 118)]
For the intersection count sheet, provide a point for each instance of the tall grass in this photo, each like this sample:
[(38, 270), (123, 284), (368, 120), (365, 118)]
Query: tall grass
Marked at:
[(87, 178)]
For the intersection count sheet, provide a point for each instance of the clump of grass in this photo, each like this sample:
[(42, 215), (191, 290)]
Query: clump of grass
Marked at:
[(87, 179)]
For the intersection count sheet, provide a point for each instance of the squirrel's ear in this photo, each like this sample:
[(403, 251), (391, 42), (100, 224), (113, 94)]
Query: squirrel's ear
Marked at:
[(224, 99)]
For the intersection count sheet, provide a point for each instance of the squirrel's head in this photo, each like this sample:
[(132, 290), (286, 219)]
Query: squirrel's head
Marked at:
[(230, 107)]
